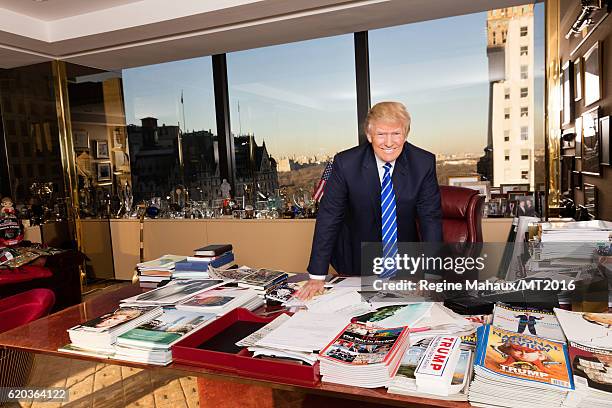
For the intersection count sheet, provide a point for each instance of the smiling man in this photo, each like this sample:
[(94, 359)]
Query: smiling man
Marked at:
[(376, 193)]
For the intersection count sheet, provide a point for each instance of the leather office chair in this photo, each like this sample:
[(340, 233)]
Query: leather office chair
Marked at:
[(25, 307), (461, 214)]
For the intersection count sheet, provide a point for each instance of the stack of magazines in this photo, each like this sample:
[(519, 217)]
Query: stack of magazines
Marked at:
[(157, 270), (517, 370), (261, 280), (221, 300), (173, 293), (590, 349), (405, 382), (364, 356), (100, 334), (150, 342)]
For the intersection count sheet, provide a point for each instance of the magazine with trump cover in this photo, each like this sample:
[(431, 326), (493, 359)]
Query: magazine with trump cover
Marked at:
[(523, 358)]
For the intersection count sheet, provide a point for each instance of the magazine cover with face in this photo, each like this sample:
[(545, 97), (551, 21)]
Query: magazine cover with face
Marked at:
[(120, 316), (592, 367), (524, 357)]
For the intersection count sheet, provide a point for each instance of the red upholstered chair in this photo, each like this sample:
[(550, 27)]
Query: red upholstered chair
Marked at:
[(25, 307), (461, 214)]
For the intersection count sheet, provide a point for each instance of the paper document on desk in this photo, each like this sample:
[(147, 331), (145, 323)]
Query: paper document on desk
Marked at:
[(306, 331)]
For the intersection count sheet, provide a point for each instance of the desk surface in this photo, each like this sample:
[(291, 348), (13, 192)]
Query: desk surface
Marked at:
[(46, 335)]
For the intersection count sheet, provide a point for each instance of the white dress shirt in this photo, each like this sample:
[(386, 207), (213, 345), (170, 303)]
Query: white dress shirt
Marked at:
[(380, 165)]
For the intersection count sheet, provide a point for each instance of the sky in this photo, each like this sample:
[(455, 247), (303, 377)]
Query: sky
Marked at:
[(300, 97)]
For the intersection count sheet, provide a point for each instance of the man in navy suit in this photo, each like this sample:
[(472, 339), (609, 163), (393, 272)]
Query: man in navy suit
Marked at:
[(351, 206)]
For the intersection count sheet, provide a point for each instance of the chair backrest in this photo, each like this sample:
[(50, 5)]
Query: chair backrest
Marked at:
[(25, 307), (461, 214)]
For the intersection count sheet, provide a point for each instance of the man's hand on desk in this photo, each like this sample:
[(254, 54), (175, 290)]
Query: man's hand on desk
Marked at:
[(312, 288)]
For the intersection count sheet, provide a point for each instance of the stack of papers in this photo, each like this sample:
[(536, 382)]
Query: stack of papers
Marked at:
[(363, 356), (516, 370), (150, 342), (100, 334), (221, 300), (590, 349)]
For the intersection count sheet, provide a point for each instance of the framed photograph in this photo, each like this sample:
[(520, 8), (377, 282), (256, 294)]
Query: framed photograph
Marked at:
[(104, 172), (80, 140), (578, 137), (525, 206), (567, 167), (592, 75), (568, 141), (510, 210), (483, 187), (514, 195), (604, 131), (102, 149), (578, 79), (590, 198), (507, 188), (577, 179), (457, 180), (590, 142), (567, 82)]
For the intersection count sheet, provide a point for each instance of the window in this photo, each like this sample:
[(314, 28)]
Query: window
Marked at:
[(507, 155), (507, 93), (524, 92), (524, 111), (507, 135), (164, 104), (297, 103), (524, 72), (524, 133), (524, 50), (524, 174), (524, 31), (506, 113), (524, 155)]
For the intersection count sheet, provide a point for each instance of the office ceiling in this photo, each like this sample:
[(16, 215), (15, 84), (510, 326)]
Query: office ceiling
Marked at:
[(48, 10), (116, 34)]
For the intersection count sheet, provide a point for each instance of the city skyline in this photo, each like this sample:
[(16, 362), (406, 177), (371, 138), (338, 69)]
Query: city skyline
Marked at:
[(300, 98)]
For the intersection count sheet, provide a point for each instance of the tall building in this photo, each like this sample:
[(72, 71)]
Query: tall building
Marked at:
[(510, 49)]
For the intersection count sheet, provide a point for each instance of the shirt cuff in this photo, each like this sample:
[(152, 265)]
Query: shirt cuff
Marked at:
[(317, 277)]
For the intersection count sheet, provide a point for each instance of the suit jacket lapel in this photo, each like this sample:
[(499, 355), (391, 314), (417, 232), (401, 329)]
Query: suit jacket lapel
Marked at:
[(400, 173), (372, 180)]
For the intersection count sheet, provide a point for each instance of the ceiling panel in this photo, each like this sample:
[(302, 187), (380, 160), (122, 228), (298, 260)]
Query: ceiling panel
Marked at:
[(50, 10)]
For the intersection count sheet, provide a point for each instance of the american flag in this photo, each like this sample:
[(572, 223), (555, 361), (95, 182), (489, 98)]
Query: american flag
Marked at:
[(318, 194)]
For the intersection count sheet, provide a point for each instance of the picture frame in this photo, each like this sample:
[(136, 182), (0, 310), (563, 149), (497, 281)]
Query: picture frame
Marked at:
[(104, 172), (578, 137), (577, 179), (568, 141), (102, 151), (604, 132), (457, 180), (590, 198), (80, 139), (507, 188), (567, 84), (513, 195), (591, 147), (483, 188), (526, 206), (567, 167), (592, 75), (578, 79)]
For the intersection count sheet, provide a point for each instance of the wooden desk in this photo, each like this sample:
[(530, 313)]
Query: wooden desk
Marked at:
[(46, 335)]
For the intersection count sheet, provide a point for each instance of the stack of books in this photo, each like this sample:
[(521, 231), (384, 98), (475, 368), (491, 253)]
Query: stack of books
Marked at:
[(364, 356), (517, 370), (150, 342), (100, 334), (197, 267), (158, 270), (574, 240), (590, 350), (221, 300)]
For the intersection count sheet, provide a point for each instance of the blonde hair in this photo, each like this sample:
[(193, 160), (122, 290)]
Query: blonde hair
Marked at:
[(388, 112)]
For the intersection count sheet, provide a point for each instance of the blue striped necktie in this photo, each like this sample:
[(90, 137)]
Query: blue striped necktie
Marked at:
[(389, 221)]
